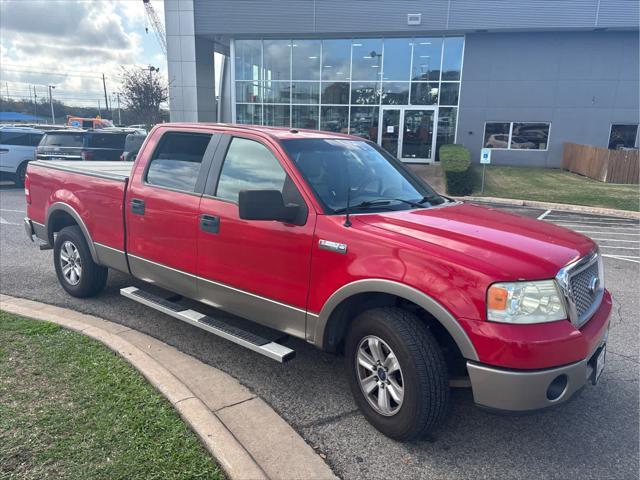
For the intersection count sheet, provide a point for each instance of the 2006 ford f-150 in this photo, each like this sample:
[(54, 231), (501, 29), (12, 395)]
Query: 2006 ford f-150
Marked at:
[(328, 238)]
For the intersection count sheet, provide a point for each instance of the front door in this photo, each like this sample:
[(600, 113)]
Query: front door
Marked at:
[(409, 133), (258, 270)]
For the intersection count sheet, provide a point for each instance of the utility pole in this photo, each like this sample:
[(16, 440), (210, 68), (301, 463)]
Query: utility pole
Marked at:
[(35, 102), (104, 85), (53, 115), (99, 108), (119, 112)]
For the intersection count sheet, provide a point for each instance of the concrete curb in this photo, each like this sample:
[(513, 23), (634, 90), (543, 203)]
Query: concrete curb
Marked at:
[(554, 206), (248, 439)]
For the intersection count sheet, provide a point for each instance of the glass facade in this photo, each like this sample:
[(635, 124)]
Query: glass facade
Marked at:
[(344, 85)]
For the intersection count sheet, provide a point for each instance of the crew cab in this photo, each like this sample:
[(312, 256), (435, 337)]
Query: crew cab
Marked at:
[(328, 238)]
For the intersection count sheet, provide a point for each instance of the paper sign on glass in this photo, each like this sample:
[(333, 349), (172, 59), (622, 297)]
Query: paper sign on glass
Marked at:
[(390, 129)]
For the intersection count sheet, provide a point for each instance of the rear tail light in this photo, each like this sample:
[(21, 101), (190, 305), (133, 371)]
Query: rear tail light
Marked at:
[(27, 188), (87, 155), (122, 157)]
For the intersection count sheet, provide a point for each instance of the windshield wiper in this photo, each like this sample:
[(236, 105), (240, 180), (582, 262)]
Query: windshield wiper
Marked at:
[(381, 202)]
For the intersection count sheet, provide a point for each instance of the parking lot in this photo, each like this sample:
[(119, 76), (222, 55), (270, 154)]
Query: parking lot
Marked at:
[(595, 436)]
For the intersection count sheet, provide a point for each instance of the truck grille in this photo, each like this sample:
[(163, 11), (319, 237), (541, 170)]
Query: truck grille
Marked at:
[(583, 285), (580, 288)]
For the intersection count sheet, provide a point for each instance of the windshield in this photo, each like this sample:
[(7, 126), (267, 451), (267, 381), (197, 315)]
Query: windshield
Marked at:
[(376, 180), (62, 140)]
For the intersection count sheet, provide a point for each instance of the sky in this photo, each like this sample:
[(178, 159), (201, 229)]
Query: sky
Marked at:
[(71, 43)]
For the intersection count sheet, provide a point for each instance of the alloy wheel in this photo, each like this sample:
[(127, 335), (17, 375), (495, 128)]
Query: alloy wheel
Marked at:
[(379, 375), (71, 263)]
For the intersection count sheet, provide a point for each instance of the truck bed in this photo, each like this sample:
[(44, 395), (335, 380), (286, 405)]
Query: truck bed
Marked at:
[(111, 170)]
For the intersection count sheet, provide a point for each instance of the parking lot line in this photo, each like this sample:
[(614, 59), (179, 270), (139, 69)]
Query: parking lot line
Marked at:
[(9, 210), (623, 257), (621, 248), (614, 240), (543, 215), (608, 225)]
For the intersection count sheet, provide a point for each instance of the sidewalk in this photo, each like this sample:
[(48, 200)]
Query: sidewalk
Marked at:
[(246, 436)]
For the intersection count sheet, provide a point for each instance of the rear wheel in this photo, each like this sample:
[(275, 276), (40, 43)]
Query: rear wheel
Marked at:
[(21, 172), (78, 274), (397, 373)]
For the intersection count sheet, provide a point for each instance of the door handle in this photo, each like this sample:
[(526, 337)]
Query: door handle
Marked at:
[(137, 206), (209, 223)]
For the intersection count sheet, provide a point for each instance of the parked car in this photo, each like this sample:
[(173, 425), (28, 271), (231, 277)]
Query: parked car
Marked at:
[(17, 145), (328, 238), (132, 145), (77, 144), (142, 128)]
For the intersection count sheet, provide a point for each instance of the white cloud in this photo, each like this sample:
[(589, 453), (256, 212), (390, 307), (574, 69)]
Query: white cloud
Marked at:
[(42, 39)]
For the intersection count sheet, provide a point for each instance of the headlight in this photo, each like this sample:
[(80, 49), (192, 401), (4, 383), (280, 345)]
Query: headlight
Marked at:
[(525, 302)]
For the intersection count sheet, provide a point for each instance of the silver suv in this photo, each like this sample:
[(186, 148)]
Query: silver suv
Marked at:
[(17, 147)]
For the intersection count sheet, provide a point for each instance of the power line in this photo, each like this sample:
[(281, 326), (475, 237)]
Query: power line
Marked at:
[(40, 72)]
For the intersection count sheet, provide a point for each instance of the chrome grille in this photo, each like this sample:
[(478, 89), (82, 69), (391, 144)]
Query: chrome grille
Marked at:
[(582, 283), (579, 286)]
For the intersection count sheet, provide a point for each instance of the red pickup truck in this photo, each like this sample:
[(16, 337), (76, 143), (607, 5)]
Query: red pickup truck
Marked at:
[(328, 238)]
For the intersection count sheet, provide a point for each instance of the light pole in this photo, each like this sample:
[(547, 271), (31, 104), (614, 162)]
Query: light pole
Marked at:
[(53, 115)]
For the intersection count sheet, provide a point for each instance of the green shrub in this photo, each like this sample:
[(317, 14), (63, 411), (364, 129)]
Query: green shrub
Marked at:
[(456, 165)]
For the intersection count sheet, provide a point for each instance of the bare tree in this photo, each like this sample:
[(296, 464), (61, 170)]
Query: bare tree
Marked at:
[(142, 93)]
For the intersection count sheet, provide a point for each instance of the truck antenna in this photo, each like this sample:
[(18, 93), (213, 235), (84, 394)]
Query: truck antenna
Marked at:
[(347, 220)]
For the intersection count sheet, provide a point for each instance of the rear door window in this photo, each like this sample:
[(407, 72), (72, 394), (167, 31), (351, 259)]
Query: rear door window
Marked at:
[(106, 140), (177, 160), (63, 140), (15, 138)]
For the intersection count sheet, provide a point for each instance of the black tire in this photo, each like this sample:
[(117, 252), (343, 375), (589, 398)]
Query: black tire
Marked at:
[(20, 173), (424, 373), (92, 278)]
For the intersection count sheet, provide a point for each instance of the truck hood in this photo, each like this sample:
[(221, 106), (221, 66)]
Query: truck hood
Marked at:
[(503, 245)]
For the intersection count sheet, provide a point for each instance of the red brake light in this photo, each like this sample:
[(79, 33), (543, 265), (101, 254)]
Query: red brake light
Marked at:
[(27, 190)]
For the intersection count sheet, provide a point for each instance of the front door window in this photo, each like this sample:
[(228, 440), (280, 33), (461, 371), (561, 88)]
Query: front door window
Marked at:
[(408, 133)]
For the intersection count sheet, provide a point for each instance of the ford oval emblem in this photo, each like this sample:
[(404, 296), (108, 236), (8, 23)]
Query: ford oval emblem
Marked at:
[(593, 285)]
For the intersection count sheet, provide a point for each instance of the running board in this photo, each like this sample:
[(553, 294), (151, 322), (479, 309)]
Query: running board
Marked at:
[(218, 327)]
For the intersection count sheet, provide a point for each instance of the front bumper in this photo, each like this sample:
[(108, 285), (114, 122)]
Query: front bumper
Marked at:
[(521, 390)]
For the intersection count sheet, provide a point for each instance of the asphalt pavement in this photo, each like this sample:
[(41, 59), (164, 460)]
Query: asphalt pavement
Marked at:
[(595, 436)]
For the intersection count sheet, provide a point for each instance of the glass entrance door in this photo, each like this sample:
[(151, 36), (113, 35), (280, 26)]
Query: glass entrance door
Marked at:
[(415, 141)]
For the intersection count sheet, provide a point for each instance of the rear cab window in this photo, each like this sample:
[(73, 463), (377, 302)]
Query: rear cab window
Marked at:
[(177, 160)]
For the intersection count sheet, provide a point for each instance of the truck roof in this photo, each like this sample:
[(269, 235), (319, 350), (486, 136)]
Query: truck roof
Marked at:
[(279, 133)]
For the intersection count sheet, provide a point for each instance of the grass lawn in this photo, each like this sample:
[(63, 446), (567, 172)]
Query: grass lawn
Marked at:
[(70, 408), (554, 185)]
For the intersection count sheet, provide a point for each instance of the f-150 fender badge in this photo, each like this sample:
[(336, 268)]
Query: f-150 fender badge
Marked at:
[(333, 246)]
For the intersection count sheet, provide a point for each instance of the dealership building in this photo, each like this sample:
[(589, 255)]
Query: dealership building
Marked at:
[(521, 77)]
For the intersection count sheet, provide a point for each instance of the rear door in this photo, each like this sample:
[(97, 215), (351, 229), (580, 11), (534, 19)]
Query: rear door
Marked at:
[(162, 207), (15, 147), (61, 146), (256, 269)]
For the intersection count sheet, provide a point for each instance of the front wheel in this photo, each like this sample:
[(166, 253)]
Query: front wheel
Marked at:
[(78, 274), (397, 373)]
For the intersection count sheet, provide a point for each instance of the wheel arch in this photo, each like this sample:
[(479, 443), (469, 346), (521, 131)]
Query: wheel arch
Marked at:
[(338, 310), (62, 215)]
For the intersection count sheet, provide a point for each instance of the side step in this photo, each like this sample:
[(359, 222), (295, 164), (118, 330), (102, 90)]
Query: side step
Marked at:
[(213, 325)]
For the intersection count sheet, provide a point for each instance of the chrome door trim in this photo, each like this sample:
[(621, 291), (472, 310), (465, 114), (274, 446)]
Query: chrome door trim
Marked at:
[(111, 257), (318, 329), (167, 277), (259, 309)]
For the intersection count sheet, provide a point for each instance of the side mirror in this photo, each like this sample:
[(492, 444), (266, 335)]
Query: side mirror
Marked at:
[(266, 205)]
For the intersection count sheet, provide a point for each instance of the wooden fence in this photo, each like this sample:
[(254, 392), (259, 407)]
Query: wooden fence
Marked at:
[(611, 166)]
